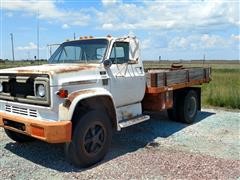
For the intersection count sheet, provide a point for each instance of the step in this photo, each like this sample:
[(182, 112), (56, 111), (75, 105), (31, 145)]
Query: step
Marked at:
[(136, 120)]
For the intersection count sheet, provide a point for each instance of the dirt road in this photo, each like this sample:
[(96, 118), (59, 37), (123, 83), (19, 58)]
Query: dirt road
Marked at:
[(157, 149)]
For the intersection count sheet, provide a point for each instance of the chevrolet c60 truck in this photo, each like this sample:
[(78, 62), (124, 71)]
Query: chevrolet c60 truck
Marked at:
[(90, 88)]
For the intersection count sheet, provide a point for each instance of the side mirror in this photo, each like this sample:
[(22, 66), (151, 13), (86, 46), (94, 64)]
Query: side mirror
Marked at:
[(107, 63)]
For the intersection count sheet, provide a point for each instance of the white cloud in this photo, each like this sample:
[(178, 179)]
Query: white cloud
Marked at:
[(30, 46), (65, 26), (109, 2), (107, 26), (179, 42), (235, 37), (47, 10), (154, 15), (165, 25), (196, 42), (213, 41), (165, 15), (146, 43)]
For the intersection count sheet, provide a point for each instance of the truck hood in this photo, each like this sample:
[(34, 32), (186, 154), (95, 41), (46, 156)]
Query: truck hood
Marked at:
[(50, 69)]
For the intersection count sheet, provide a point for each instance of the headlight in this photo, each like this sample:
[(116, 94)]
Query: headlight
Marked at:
[(41, 91), (1, 87)]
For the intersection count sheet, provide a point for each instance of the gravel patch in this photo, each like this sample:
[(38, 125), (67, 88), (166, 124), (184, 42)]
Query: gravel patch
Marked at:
[(156, 149)]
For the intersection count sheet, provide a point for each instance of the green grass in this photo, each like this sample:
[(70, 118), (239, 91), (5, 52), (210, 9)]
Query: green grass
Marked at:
[(11, 64), (223, 90)]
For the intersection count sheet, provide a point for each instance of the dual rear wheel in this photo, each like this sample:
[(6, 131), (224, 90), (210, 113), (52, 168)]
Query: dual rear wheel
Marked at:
[(185, 107)]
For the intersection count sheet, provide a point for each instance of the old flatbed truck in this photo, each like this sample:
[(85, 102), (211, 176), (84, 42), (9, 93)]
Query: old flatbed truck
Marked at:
[(91, 87)]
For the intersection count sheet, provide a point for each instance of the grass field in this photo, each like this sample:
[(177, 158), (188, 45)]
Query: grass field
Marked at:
[(11, 64), (223, 90)]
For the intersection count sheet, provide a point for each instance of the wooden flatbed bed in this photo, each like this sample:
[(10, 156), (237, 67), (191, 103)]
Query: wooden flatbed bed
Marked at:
[(162, 80), (165, 84)]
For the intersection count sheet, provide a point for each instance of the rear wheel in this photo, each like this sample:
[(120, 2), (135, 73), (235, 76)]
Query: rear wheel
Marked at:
[(18, 137), (91, 139), (188, 107)]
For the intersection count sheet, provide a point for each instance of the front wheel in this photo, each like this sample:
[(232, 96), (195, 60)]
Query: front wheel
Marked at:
[(91, 139)]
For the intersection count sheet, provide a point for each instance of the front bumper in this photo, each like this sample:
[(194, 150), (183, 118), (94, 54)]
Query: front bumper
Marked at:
[(49, 131)]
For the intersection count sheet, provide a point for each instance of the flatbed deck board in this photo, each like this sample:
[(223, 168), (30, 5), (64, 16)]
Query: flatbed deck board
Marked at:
[(162, 80)]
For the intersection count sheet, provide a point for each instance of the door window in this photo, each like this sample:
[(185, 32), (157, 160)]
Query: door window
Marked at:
[(120, 53)]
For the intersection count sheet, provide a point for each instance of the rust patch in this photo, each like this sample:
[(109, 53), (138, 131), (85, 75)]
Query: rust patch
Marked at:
[(73, 95), (158, 102), (156, 90), (126, 115), (50, 68), (76, 68)]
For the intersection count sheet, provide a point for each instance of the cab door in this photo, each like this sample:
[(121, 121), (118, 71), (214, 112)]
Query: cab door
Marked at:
[(127, 79)]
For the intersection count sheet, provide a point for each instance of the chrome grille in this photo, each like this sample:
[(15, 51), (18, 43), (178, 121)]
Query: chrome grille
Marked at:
[(22, 111), (22, 88)]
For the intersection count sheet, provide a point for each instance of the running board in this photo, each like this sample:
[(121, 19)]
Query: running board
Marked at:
[(136, 120)]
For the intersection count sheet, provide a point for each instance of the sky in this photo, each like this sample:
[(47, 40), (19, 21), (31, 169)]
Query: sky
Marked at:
[(180, 29)]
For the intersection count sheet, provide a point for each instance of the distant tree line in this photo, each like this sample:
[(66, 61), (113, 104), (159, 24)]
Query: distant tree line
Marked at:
[(9, 61)]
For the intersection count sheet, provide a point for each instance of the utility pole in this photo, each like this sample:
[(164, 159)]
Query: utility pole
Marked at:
[(204, 57), (74, 36), (28, 54), (50, 50), (38, 35), (11, 34)]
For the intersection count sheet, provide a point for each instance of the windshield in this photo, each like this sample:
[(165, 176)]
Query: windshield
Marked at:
[(82, 51)]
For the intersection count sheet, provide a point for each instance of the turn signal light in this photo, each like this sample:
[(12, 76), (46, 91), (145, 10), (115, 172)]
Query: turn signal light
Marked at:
[(62, 93), (37, 131)]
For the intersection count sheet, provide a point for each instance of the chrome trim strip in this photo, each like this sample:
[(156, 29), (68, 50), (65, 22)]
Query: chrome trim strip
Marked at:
[(93, 81)]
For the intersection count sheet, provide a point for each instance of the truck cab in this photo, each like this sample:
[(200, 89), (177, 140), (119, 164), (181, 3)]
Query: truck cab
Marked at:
[(104, 76)]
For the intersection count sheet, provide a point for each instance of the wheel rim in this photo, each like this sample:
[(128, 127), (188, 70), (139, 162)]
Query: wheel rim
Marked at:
[(94, 139), (191, 107)]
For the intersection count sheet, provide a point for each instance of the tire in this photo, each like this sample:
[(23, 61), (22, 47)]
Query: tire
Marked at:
[(187, 107), (18, 137), (91, 139)]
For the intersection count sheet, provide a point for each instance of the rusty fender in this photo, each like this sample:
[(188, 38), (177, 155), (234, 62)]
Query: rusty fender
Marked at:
[(66, 109)]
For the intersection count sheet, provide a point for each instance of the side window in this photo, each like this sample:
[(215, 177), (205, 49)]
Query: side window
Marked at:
[(120, 53)]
